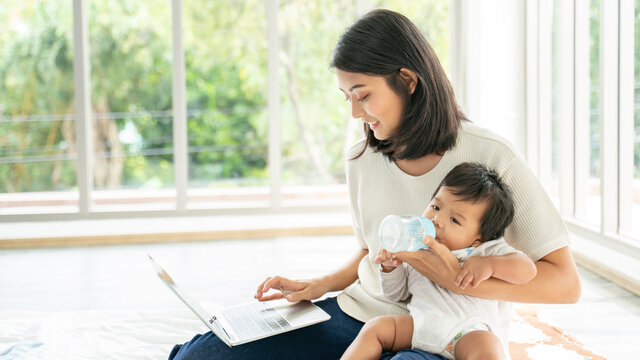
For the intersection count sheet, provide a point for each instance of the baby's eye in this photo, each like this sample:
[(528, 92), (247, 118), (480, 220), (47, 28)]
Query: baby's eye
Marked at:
[(455, 221), (435, 207)]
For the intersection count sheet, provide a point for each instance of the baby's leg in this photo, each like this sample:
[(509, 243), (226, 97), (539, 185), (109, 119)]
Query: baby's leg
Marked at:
[(479, 344), (382, 333)]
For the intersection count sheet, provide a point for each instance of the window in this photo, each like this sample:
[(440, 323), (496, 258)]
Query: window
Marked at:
[(593, 98), (226, 90), (130, 61), (264, 123)]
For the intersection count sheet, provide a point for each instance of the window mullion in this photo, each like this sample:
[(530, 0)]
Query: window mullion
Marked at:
[(582, 109), (532, 91), (179, 105), (83, 115), (609, 115)]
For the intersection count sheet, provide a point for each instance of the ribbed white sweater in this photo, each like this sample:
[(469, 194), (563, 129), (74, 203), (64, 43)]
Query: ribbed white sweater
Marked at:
[(377, 188)]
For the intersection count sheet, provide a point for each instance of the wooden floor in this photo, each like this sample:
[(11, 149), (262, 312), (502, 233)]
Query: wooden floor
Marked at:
[(606, 319)]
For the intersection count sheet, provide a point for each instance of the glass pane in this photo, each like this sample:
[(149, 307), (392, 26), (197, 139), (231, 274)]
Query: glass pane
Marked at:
[(130, 47), (635, 225), (316, 128), (226, 71), (593, 203), (37, 128), (587, 110)]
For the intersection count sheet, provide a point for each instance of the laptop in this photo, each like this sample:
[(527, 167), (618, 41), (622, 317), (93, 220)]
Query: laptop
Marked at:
[(251, 321)]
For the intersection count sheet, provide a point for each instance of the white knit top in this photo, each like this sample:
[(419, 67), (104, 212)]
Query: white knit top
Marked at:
[(377, 188)]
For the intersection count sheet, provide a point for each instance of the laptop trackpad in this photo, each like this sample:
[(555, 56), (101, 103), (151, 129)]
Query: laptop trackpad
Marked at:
[(303, 312)]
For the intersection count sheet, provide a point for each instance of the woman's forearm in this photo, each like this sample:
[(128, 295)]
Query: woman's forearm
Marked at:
[(557, 281), (346, 274)]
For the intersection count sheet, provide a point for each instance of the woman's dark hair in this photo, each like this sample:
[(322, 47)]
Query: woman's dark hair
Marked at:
[(381, 43), (474, 182)]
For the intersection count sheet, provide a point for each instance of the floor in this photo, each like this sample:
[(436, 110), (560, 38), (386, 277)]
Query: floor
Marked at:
[(606, 319)]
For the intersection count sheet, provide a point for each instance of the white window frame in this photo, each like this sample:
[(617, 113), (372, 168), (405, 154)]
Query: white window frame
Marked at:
[(616, 111)]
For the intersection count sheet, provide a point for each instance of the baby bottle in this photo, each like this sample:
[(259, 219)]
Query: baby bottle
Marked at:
[(405, 233)]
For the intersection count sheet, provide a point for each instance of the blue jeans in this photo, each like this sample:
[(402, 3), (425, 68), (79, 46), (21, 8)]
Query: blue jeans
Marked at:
[(326, 340)]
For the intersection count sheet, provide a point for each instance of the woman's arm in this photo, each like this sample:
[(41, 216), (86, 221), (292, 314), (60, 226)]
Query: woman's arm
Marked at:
[(296, 290), (557, 279), (346, 274)]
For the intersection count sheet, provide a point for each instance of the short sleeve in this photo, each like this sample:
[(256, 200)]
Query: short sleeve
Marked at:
[(537, 228)]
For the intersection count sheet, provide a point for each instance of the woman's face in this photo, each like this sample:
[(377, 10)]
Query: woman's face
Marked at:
[(372, 100)]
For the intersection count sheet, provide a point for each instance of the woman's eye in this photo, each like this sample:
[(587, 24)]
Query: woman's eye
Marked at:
[(363, 98), (455, 221)]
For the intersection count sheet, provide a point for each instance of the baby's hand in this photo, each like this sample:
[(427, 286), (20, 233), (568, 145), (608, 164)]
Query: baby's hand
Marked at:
[(475, 270), (387, 259)]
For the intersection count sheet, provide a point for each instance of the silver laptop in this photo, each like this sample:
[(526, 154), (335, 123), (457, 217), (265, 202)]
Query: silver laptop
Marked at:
[(249, 321)]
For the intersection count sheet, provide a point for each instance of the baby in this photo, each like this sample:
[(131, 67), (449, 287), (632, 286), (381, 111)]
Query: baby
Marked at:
[(470, 210)]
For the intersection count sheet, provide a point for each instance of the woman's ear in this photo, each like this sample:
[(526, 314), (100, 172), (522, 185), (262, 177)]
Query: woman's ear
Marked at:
[(410, 78)]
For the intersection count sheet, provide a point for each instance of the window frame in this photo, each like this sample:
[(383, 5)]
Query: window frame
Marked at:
[(86, 194), (616, 66)]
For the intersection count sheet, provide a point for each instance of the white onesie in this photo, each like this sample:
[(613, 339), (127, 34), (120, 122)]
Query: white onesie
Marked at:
[(439, 314)]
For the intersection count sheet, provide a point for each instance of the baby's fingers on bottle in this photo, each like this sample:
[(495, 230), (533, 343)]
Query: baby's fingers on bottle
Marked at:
[(428, 240)]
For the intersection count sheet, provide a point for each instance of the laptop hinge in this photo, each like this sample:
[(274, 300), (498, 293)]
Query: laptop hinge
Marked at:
[(214, 318)]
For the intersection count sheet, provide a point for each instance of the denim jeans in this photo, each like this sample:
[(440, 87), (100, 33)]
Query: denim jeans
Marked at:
[(326, 340)]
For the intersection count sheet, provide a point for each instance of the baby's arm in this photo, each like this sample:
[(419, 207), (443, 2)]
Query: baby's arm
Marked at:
[(514, 268), (387, 260), (393, 276)]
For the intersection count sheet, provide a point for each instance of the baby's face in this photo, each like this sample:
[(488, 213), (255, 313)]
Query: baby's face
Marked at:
[(457, 222)]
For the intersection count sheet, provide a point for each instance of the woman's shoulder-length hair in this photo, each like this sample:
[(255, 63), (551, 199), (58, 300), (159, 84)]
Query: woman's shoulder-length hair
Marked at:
[(381, 43)]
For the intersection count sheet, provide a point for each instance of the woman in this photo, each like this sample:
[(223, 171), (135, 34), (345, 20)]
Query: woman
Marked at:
[(416, 133)]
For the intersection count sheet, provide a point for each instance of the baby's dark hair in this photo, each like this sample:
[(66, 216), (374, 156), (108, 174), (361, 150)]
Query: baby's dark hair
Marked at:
[(474, 182)]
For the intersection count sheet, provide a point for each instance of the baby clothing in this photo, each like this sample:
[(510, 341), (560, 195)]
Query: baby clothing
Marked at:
[(439, 314)]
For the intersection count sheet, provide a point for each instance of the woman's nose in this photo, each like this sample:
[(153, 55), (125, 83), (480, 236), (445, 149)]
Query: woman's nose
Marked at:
[(356, 109)]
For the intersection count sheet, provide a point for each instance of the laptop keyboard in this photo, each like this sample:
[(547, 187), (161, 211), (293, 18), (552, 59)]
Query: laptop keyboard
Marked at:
[(255, 320)]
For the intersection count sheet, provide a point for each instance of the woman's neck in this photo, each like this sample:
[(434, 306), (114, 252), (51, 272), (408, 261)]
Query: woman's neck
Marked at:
[(420, 166)]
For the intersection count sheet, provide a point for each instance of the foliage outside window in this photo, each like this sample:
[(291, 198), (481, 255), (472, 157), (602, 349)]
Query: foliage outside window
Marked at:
[(130, 55)]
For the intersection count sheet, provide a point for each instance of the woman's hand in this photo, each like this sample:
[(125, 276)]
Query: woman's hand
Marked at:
[(296, 290), (291, 290), (436, 263)]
